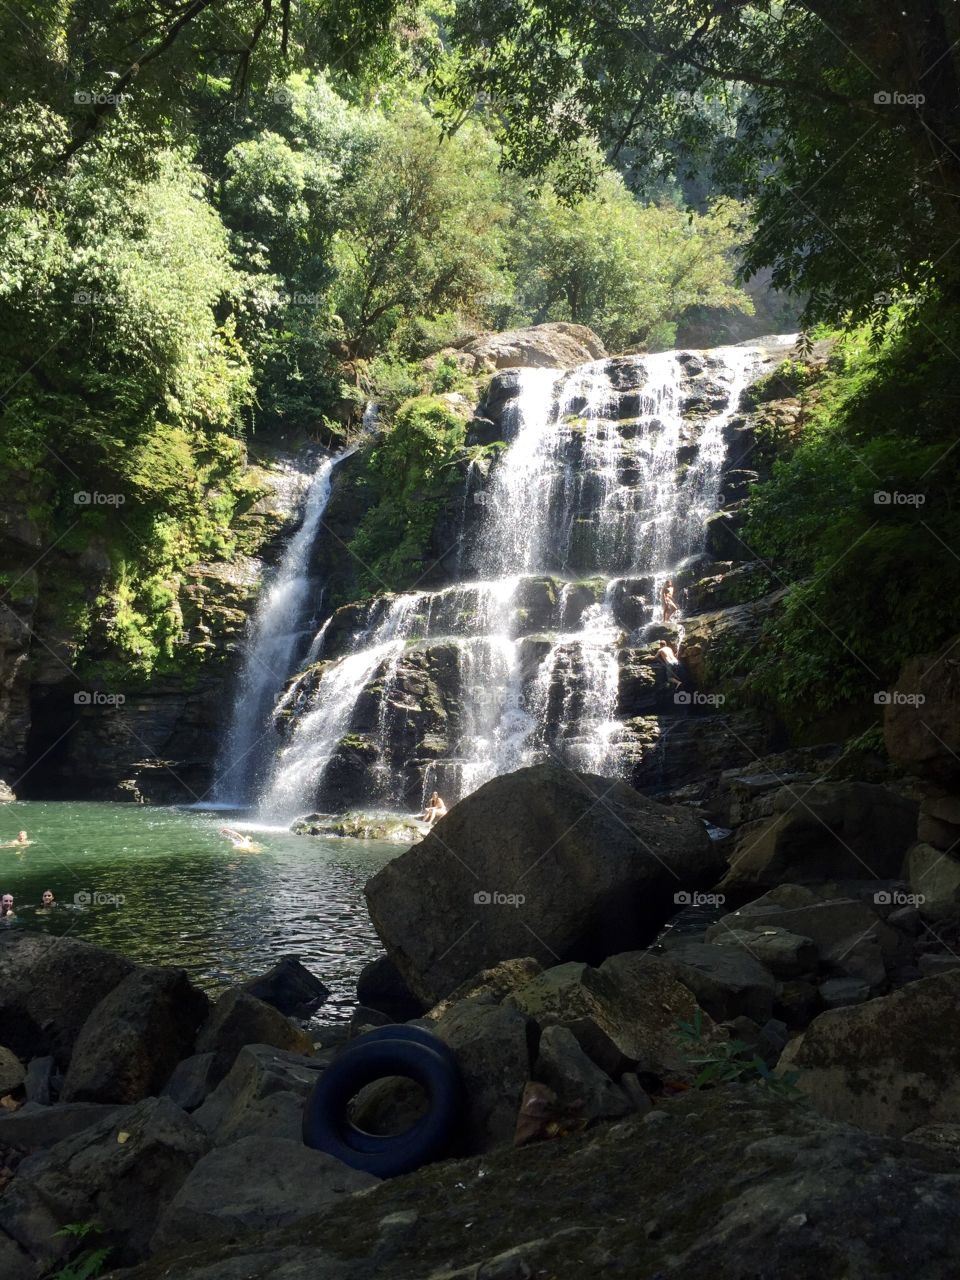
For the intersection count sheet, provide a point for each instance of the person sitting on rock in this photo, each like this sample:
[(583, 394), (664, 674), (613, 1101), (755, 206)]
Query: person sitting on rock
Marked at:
[(667, 601), (47, 901), (6, 907), (434, 810)]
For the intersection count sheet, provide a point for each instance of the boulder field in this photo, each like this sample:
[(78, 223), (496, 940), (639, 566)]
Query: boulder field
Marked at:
[(764, 1086)]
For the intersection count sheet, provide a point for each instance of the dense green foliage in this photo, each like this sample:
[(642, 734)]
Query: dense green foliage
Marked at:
[(229, 246), (410, 476), (864, 516)]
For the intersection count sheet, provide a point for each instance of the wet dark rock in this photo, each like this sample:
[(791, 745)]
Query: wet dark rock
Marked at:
[(290, 987), (38, 1085), (264, 1091)]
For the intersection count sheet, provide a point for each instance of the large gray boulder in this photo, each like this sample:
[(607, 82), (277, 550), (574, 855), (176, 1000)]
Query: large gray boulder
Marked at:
[(134, 1038), (121, 1172), (49, 986), (824, 830), (889, 1065), (540, 862), (256, 1183), (837, 926)]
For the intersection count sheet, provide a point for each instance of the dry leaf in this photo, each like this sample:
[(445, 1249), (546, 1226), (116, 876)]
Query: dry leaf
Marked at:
[(123, 1137)]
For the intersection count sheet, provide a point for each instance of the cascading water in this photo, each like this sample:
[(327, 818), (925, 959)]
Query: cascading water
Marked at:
[(585, 500), (276, 638)]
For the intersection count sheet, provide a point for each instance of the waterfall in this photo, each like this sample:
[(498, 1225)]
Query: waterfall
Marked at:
[(602, 490), (275, 639)]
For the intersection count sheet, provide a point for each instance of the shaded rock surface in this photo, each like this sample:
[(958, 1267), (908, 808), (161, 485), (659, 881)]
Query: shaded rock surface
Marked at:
[(49, 987), (888, 1065), (596, 876), (239, 1019), (715, 1186), (121, 1173), (134, 1038), (255, 1183)]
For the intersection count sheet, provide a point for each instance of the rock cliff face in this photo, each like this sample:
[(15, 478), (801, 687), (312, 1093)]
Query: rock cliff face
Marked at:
[(109, 734)]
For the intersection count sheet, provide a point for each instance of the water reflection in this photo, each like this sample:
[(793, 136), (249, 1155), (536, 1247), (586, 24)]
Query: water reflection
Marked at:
[(164, 887)]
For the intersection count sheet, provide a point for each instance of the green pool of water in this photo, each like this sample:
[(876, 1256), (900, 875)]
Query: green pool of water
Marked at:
[(163, 887)]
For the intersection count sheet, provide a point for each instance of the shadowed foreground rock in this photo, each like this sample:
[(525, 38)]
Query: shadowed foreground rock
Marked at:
[(716, 1186), (596, 865)]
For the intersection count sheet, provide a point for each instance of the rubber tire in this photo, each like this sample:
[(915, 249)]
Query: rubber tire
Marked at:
[(401, 1031), (326, 1126)]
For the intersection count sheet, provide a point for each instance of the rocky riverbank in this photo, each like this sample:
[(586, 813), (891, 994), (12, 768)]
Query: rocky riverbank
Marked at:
[(733, 1101)]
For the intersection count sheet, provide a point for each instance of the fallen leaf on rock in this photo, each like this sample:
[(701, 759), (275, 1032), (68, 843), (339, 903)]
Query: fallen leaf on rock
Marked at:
[(123, 1137), (9, 1103)]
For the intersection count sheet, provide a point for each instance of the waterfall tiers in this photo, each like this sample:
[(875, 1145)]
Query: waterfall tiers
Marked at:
[(541, 645)]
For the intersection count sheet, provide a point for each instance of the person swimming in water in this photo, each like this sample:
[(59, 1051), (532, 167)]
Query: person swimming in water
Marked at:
[(239, 840), (21, 840), (47, 901), (7, 911), (434, 810)]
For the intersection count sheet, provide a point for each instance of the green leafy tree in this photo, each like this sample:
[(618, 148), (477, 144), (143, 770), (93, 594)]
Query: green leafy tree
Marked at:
[(628, 270), (840, 122)]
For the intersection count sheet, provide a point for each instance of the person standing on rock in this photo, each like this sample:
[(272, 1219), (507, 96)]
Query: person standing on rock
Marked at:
[(667, 602)]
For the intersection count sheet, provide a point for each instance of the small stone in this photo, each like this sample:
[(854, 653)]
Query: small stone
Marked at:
[(797, 1220), (837, 992)]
